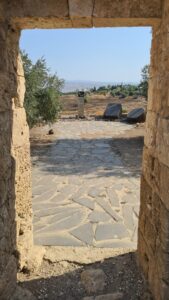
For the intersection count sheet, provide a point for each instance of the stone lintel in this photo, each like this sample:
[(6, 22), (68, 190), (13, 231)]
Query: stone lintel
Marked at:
[(83, 9), (125, 22), (41, 23), (83, 22)]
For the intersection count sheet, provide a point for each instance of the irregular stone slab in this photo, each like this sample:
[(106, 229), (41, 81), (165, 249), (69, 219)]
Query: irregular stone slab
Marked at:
[(46, 212), (41, 189), (45, 196), (84, 233), (37, 227), (56, 239), (128, 216), (129, 198), (68, 190), (113, 111), (94, 280), (60, 198), (86, 202), (106, 206), (66, 223), (136, 115), (117, 186), (135, 234), (95, 192), (81, 192), (47, 180), (113, 197), (47, 205), (98, 216), (136, 210), (64, 213), (57, 210), (111, 231)]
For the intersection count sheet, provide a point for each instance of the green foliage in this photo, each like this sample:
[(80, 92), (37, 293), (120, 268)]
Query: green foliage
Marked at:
[(126, 90), (42, 91), (144, 82), (47, 105), (118, 90)]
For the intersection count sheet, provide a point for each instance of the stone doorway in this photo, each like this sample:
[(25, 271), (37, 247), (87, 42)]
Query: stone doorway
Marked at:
[(16, 244)]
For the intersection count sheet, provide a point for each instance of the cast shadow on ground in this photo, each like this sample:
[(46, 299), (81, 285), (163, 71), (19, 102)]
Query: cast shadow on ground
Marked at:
[(122, 275), (90, 157)]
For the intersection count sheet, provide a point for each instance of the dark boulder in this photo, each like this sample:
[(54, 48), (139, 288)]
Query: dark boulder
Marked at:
[(113, 111), (136, 115)]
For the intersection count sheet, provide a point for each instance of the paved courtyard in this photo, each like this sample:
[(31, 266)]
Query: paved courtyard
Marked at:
[(83, 193)]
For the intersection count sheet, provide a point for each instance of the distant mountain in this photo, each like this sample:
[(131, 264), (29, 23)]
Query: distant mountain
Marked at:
[(74, 85)]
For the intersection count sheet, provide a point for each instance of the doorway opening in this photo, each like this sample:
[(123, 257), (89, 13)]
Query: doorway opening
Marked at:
[(86, 181), (86, 177)]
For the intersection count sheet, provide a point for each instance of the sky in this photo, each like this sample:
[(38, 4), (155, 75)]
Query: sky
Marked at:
[(97, 54)]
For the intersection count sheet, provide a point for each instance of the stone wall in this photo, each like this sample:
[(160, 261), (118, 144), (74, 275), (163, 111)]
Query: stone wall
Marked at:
[(16, 243), (15, 189), (78, 13), (153, 244)]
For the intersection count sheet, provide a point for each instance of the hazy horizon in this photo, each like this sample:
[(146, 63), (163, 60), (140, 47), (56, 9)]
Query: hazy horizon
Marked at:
[(73, 85)]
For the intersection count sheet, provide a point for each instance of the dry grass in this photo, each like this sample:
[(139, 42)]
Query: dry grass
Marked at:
[(97, 103)]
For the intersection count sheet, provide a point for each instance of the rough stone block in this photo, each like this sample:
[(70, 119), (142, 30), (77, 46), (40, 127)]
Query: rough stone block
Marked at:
[(111, 9), (19, 99), (151, 8), (163, 180), (20, 134), (154, 103), (81, 9), (151, 130), (39, 8), (162, 140), (127, 8)]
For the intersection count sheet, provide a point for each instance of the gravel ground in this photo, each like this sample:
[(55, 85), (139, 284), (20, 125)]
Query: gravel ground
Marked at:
[(62, 280)]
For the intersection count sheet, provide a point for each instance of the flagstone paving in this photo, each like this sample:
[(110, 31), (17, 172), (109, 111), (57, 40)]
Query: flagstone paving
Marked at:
[(83, 194)]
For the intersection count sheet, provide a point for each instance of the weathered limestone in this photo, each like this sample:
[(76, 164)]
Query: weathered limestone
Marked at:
[(77, 14), (15, 189), (153, 245), (16, 245)]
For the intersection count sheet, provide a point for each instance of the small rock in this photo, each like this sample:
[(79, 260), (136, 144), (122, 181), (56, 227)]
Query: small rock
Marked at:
[(51, 131), (94, 280)]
